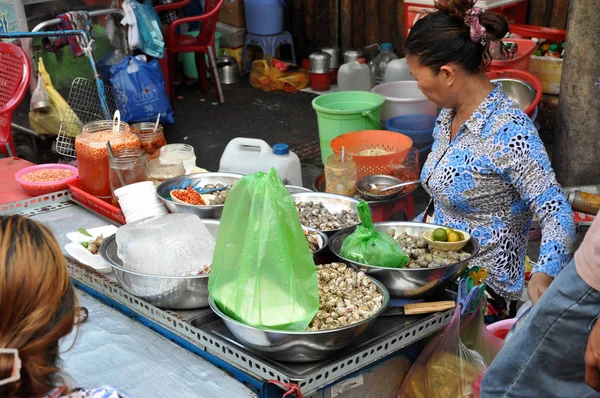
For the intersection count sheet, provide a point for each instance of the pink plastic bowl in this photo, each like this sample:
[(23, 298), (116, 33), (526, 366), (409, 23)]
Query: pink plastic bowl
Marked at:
[(501, 328), (43, 188)]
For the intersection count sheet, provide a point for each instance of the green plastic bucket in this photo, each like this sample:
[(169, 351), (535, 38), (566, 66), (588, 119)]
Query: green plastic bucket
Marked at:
[(189, 59), (346, 112)]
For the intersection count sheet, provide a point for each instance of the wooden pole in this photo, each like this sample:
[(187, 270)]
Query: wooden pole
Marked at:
[(577, 142)]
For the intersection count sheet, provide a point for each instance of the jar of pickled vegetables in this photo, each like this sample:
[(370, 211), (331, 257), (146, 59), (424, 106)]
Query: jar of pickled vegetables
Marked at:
[(159, 171), (150, 140), (340, 175), (127, 167), (92, 154)]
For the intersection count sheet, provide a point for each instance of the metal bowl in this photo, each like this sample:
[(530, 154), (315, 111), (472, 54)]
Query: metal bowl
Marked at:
[(322, 238), (333, 203), (297, 189), (173, 292), (517, 90), (363, 184), (163, 191), (299, 346), (408, 282)]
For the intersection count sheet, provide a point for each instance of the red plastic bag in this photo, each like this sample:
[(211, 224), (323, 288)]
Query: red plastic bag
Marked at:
[(447, 367)]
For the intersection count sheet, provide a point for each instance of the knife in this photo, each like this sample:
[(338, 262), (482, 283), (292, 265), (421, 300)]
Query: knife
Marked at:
[(420, 308)]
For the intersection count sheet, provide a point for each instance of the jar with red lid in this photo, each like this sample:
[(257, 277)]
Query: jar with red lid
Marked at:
[(92, 154), (150, 140)]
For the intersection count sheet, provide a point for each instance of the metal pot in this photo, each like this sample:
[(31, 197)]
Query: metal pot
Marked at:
[(353, 55), (335, 53), (228, 70), (320, 62)]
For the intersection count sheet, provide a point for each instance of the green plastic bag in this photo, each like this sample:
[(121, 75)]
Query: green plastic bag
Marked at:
[(368, 246), (263, 273)]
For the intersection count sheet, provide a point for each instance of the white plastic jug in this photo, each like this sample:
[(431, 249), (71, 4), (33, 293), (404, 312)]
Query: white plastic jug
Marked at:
[(397, 70), (251, 155), (354, 76)]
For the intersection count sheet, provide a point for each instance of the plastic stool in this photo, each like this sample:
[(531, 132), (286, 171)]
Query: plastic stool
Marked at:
[(268, 44), (385, 211)]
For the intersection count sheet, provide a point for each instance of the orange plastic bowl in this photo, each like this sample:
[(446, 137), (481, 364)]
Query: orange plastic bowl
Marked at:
[(397, 145)]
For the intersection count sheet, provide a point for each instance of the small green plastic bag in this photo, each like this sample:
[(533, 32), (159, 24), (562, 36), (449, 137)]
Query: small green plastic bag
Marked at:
[(263, 273), (368, 246)]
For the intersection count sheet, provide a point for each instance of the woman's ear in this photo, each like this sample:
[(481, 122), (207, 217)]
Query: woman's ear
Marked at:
[(448, 74)]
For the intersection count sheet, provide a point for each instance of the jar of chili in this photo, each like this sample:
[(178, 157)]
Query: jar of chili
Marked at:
[(131, 165), (150, 140), (92, 155), (159, 171)]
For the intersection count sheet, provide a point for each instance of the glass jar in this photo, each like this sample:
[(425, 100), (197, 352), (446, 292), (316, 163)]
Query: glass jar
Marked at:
[(92, 155), (179, 152), (150, 140), (407, 169), (131, 165), (159, 172), (340, 176)]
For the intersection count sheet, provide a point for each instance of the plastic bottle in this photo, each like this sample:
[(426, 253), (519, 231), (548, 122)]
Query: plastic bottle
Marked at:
[(553, 51), (354, 76), (380, 62), (397, 70), (251, 155)]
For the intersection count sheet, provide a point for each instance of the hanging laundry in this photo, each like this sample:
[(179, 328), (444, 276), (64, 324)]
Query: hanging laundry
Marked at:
[(74, 20)]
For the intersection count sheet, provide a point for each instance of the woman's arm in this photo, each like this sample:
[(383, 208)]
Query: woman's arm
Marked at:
[(519, 156)]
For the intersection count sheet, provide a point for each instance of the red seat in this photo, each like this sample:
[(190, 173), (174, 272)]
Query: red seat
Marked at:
[(14, 80), (203, 44)]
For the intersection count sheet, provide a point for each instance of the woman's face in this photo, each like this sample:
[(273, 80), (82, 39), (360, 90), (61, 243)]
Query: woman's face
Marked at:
[(437, 87)]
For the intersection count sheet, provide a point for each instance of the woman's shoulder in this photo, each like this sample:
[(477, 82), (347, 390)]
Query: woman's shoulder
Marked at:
[(509, 120), (102, 392)]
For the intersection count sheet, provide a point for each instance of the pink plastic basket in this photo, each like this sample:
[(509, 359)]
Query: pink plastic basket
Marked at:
[(43, 188), (521, 58)]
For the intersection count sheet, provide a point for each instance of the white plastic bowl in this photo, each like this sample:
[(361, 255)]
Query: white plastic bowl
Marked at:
[(404, 98)]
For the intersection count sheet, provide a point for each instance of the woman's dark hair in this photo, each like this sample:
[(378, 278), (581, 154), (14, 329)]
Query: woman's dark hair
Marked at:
[(443, 37)]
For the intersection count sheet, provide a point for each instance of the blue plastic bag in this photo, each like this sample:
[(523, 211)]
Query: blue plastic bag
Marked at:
[(144, 87), (149, 28)]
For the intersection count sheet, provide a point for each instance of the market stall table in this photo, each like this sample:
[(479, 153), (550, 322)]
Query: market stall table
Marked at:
[(201, 332)]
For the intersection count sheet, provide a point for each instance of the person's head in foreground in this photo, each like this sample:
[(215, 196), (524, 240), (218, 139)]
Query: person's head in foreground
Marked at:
[(37, 308), (448, 50)]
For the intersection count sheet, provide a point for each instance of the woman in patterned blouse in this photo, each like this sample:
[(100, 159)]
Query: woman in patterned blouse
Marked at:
[(488, 172)]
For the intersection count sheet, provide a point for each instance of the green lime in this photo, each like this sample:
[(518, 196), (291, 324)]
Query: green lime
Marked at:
[(440, 235)]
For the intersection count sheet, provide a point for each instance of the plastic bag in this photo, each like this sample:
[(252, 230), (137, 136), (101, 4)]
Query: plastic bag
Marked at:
[(263, 273), (49, 122), (368, 246), (144, 86), (446, 368), (475, 335), (148, 24), (269, 78)]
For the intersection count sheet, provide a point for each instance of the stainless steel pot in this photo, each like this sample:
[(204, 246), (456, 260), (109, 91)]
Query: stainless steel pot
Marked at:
[(353, 55), (335, 53), (320, 62), (228, 70)]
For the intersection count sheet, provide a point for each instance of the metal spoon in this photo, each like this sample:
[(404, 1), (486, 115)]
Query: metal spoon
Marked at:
[(373, 186)]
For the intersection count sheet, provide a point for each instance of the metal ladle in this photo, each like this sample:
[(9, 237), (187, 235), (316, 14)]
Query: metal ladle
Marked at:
[(373, 186)]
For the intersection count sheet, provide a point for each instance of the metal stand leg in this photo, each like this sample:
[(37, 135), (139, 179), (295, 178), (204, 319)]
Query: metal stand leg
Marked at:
[(213, 67)]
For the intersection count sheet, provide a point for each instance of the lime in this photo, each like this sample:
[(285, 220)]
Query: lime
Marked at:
[(460, 234), (440, 235), (454, 237)]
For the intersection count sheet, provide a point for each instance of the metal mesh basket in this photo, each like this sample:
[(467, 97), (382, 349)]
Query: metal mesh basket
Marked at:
[(84, 100)]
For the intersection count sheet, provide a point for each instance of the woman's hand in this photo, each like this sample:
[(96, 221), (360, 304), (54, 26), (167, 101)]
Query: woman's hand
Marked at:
[(538, 284), (592, 359)]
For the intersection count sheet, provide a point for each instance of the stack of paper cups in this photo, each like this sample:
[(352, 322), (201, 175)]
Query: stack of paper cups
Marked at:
[(139, 201)]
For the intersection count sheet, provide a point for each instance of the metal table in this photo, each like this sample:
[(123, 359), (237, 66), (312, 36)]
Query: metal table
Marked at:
[(201, 332)]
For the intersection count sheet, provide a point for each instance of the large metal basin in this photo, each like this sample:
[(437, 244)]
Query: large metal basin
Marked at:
[(332, 202), (408, 282), (299, 346), (173, 292), (163, 191), (517, 90)]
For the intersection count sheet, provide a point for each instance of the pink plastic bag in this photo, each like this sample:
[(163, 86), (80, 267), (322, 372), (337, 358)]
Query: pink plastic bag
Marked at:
[(455, 358)]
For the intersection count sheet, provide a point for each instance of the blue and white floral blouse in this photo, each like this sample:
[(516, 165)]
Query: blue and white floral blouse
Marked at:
[(490, 181)]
